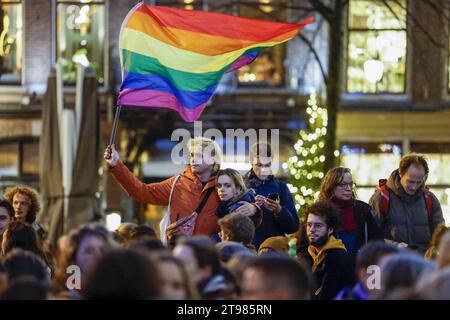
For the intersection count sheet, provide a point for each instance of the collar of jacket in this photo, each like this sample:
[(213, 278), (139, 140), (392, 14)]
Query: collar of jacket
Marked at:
[(211, 183), (319, 254), (254, 182)]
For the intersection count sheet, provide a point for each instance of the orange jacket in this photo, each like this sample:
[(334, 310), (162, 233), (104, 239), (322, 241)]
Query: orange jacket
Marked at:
[(186, 197)]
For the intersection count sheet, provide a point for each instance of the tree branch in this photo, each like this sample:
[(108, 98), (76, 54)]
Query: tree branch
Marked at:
[(416, 21), (300, 35), (324, 10), (441, 13), (315, 54), (437, 10)]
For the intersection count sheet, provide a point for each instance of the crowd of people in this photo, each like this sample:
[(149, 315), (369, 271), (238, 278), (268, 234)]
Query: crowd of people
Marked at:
[(227, 236)]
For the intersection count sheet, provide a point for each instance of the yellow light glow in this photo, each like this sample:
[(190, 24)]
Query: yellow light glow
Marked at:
[(266, 9)]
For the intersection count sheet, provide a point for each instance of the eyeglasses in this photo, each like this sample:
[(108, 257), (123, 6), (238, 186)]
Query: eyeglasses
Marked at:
[(345, 185)]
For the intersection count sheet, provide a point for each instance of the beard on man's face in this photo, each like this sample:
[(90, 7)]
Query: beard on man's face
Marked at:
[(320, 241)]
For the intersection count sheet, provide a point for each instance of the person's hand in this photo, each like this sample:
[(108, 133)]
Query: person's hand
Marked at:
[(246, 209), (402, 245), (111, 155), (259, 200), (273, 205)]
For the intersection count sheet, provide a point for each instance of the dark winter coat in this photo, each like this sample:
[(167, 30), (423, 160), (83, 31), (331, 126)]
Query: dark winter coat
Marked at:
[(367, 229), (286, 222), (407, 219), (332, 275), (229, 206)]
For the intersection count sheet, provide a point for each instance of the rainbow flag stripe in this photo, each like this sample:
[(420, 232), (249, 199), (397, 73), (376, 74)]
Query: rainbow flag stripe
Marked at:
[(174, 58)]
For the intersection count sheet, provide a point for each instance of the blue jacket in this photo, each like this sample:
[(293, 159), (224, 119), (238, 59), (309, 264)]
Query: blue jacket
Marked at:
[(273, 224), (226, 207), (358, 292)]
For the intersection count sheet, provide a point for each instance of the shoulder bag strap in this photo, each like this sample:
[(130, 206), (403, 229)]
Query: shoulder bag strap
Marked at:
[(205, 198), (171, 191)]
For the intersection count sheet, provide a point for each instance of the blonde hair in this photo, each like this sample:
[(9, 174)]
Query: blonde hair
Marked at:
[(209, 145), (238, 182)]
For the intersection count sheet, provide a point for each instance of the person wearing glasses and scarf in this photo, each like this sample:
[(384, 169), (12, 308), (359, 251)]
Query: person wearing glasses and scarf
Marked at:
[(357, 225)]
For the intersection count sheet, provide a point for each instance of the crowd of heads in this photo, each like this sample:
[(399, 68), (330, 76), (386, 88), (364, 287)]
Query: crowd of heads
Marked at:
[(132, 263)]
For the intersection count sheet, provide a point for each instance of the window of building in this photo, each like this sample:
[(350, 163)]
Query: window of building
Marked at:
[(438, 156), (268, 68), (11, 41), (19, 158), (183, 4), (370, 162), (377, 43), (80, 36), (9, 159)]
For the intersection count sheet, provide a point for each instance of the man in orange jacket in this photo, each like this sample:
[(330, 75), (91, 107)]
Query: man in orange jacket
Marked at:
[(198, 177)]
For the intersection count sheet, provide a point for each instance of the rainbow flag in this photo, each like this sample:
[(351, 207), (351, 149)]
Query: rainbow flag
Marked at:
[(174, 58)]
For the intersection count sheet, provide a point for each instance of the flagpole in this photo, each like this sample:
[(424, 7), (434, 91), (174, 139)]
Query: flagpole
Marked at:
[(116, 122)]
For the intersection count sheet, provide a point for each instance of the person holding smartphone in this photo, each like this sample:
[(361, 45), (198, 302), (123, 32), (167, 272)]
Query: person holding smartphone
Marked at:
[(272, 195)]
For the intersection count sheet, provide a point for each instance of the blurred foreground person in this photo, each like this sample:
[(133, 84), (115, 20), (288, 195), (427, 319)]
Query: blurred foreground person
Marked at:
[(176, 284), (202, 261), (276, 278), (123, 275), (82, 250)]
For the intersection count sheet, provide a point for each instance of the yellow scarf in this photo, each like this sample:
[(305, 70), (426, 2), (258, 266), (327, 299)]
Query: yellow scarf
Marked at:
[(319, 254)]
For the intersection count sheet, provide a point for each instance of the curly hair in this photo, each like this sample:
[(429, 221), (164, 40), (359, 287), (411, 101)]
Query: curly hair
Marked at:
[(327, 211), (35, 205)]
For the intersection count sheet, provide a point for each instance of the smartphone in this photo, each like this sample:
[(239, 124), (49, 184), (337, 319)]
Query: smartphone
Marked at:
[(273, 196)]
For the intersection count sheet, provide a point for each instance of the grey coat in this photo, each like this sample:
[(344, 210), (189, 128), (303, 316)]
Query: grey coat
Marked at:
[(407, 220)]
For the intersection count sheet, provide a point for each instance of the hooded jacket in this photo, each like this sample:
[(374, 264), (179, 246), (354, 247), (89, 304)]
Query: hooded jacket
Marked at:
[(332, 269), (407, 220), (186, 197)]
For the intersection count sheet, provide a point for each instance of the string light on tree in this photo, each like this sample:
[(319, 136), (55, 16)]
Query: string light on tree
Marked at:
[(308, 161)]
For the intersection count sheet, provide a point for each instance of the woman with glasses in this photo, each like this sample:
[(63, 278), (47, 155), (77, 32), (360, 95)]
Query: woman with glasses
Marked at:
[(357, 224)]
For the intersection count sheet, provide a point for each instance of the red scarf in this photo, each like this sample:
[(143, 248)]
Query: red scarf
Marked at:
[(348, 223)]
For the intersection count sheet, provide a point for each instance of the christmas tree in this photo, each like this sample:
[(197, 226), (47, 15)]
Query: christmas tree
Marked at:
[(306, 167)]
